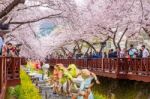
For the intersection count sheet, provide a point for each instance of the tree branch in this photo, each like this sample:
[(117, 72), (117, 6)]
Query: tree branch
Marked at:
[(89, 44), (102, 47), (63, 50), (16, 27), (33, 6), (114, 38), (146, 30), (32, 30), (122, 36), (11, 6), (36, 20)]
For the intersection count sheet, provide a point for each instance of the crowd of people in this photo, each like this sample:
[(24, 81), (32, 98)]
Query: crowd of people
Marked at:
[(132, 52), (9, 50)]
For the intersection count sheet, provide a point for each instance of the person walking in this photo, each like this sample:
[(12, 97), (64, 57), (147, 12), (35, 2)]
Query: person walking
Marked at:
[(145, 55)]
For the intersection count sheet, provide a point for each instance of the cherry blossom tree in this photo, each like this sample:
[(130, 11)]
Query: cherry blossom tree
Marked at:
[(114, 17), (77, 21)]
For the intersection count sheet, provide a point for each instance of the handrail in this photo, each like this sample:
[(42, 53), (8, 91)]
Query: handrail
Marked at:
[(9, 73), (123, 68)]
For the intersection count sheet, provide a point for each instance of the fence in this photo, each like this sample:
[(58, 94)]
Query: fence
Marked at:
[(123, 68), (9, 73)]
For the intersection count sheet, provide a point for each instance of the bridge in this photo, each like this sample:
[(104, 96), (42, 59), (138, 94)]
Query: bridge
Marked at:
[(137, 69), (9, 73), (118, 68)]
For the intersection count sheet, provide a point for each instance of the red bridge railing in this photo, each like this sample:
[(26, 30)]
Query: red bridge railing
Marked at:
[(9, 73), (121, 68), (23, 61)]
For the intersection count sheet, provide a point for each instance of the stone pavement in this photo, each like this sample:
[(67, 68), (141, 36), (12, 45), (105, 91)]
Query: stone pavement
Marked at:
[(44, 87), (47, 93)]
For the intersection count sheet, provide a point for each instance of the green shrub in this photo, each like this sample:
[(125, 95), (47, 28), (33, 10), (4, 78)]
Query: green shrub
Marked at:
[(27, 89), (24, 91)]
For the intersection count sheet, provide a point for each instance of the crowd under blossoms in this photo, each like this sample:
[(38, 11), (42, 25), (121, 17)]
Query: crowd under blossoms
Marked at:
[(132, 52)]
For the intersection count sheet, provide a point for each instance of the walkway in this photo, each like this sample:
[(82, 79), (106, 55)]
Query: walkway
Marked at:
[(45, 88)]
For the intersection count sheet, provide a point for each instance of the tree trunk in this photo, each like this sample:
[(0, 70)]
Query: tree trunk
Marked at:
[(126, 44), (78, 46), (102, 47), (114, 42), (63, 50), (118, 44), (74, 51), (89, 45)]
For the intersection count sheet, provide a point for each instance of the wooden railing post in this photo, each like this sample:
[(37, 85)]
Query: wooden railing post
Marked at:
[(1, 77), (23, 61), (148, 66), (5, 71), (117, 67), (102, 64)]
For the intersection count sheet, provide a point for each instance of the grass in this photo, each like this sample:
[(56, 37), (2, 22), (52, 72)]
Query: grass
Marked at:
[(97, 95)]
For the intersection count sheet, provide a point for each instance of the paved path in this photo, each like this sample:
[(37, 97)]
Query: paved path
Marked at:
[(45, 89), (47, 93)]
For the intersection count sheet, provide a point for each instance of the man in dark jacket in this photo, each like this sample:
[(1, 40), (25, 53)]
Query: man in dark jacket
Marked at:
[(111, 53), (117, 53)]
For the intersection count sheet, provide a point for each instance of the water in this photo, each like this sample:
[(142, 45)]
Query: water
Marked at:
[(121, 89)]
